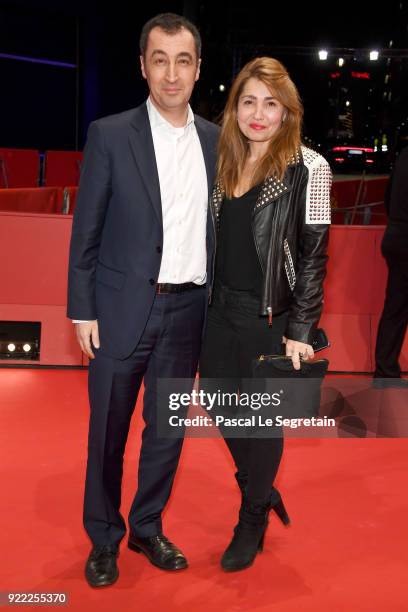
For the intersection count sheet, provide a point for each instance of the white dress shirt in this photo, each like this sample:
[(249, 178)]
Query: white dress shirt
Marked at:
[(184, 199)]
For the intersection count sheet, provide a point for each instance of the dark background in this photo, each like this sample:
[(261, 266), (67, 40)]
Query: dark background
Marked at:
[(45, 106)]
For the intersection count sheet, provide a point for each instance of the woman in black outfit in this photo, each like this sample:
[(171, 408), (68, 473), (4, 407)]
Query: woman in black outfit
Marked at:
[(271, 208)]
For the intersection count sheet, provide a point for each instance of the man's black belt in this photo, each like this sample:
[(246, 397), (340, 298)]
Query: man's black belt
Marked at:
[(176, 288)]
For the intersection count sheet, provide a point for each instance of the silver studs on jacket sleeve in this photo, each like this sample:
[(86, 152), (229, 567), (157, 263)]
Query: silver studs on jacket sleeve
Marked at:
[(318, 210), (318, 203)]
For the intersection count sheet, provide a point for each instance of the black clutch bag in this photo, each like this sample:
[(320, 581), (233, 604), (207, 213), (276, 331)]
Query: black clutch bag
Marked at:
[(300, 389), (280, 366)]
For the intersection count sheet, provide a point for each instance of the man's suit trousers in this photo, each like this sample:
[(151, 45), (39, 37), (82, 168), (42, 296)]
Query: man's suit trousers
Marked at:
[(169, 348)]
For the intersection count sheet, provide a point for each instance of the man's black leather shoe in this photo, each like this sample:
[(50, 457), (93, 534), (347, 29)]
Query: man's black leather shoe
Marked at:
[(101, 568), (159, 551)]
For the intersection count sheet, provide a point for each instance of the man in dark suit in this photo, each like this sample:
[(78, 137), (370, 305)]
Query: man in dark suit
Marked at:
[(139, 278), (394, 319)]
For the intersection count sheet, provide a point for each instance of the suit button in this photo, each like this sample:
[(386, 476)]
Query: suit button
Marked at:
[(152, 281), (159, 249)]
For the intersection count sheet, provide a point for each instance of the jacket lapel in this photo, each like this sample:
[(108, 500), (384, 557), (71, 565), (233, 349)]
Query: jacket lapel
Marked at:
[(271, 190), (141, 143), (208, 152)]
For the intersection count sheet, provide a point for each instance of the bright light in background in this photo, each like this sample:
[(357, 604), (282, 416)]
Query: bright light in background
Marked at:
[(221, 87), (347, 102), (323, 54), (373, 56), (11, 347), (340, 61), (27, 348)]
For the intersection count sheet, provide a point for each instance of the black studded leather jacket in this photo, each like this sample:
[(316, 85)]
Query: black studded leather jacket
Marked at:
[(290, 224)]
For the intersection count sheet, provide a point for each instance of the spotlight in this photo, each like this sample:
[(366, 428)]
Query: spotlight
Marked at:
[(340, 61), (323, 55), (374, 55), (20, 340), (221, 87), (19, 349)]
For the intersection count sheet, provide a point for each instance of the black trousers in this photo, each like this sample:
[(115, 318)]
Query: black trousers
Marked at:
[(394, 319), (235, 335), (169, 348)]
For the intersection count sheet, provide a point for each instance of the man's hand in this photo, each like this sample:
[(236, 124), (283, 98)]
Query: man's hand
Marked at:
[(298, 350), (85, 333)]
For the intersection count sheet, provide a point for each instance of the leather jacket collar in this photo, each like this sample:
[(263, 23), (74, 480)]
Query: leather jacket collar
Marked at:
[(272, 189)]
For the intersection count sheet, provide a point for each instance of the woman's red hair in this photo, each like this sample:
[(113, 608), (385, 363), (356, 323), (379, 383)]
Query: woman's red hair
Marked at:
[(233, 145)]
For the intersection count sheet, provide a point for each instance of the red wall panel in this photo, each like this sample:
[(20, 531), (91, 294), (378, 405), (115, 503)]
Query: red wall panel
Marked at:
[(34, 258), (34, 251), (58, 341), (352, 283)]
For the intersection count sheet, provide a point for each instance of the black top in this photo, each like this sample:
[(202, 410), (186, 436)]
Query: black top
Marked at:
[(237, 265)]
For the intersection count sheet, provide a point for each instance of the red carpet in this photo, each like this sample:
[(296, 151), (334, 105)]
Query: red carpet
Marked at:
[(348, 500)]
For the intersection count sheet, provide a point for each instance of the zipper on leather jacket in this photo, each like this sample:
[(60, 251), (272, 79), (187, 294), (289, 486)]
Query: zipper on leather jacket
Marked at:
[(289, 267), (268, 308)]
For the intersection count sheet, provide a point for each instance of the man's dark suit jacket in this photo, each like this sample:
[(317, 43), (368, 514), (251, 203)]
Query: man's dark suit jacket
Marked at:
[(117, 233)]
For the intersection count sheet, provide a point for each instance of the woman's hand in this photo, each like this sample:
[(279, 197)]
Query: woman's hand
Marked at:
[(298, 351)]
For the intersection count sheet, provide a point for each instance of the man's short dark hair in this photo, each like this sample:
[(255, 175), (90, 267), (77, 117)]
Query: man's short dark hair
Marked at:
[(171, 24)]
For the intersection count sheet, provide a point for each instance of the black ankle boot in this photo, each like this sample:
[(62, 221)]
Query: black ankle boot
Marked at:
[(248, 536), (276, 503)]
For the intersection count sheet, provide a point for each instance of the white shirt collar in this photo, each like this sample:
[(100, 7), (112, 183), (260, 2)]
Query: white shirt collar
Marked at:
[(156, 119)]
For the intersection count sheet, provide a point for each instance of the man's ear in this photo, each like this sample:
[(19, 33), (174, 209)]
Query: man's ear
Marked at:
[(197, 75), (142, 67)]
